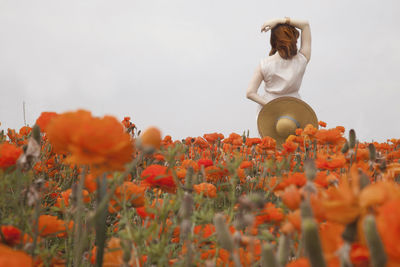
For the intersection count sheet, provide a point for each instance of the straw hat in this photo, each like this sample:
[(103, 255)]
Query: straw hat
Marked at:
[(281, 117)]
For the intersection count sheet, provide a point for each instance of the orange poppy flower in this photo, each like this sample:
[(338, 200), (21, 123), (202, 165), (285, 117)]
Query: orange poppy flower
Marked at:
[(324, 180), (144, 211), (317, 206), (322, 124), (159, 157), (289, 146), (246, 164), (11, 257), (190, 163), (362, 154), (309, 130), (340, 128), (294, 218), (298, 179), (330, 162), (388, 224), (64, 198), (223, 258), (392, 171), (101, 143), (91, 182), (25, 130), (232, 137), (213, 137), (132, 193), (393, 155), (208, 190), (330, 136), (180, 173), (252, 141), (12, 135), (331, 239), (267, 143), (44, 120), (291, 197), (270, 213), (241, 174), (200, 142), (301, 262), (9, 155), (214, 173), (378, 193), (341, 203), (113, 256), (48, 225), (129, 126), (204, 230), (167, 141), (151, 137)]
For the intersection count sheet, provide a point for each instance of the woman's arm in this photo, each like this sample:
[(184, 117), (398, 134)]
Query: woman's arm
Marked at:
[(303, 25), (255, 82)]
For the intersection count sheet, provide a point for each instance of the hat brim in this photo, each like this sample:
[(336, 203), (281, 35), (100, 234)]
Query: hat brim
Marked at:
[(284, 106)]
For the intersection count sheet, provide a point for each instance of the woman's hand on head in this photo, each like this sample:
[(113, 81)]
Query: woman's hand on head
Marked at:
[(268, 25)]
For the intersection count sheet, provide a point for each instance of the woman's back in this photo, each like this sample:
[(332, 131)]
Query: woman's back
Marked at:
[(282, 76)]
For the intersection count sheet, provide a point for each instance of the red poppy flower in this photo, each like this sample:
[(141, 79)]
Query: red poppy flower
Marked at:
[(9, 155), (11, 234), (205, 162), (159, 176)]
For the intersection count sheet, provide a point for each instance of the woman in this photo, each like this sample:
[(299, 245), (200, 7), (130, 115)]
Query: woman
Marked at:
[(282, 71)]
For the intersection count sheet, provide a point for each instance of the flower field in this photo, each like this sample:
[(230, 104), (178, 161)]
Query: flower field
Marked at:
[(79, 190)]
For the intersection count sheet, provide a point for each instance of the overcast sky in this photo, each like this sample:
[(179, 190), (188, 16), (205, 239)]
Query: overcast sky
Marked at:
[(184, 65)]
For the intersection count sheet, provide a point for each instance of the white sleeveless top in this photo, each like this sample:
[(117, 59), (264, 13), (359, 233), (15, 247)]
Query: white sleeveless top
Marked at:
[(282, 77)]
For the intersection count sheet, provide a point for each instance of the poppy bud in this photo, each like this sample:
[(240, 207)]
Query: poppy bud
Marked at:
[(310, 169), (305, 209), (372, 152), (127, 251), (364, 179), (185, 228), (312, 243), (345, 147), (352, 138), (150, 139), (245, 203), (258, 200), (283, 249), (36, 133), (189, 178), (350, 232), (374, 242), (237, 238), (268, 257), (224, 237), (187, 206)]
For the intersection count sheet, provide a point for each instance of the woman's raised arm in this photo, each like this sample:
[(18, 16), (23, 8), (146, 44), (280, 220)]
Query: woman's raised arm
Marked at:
[(303, 25), (255, 82)]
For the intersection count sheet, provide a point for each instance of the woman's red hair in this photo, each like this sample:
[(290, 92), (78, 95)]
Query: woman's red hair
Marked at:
[(284, 40)]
